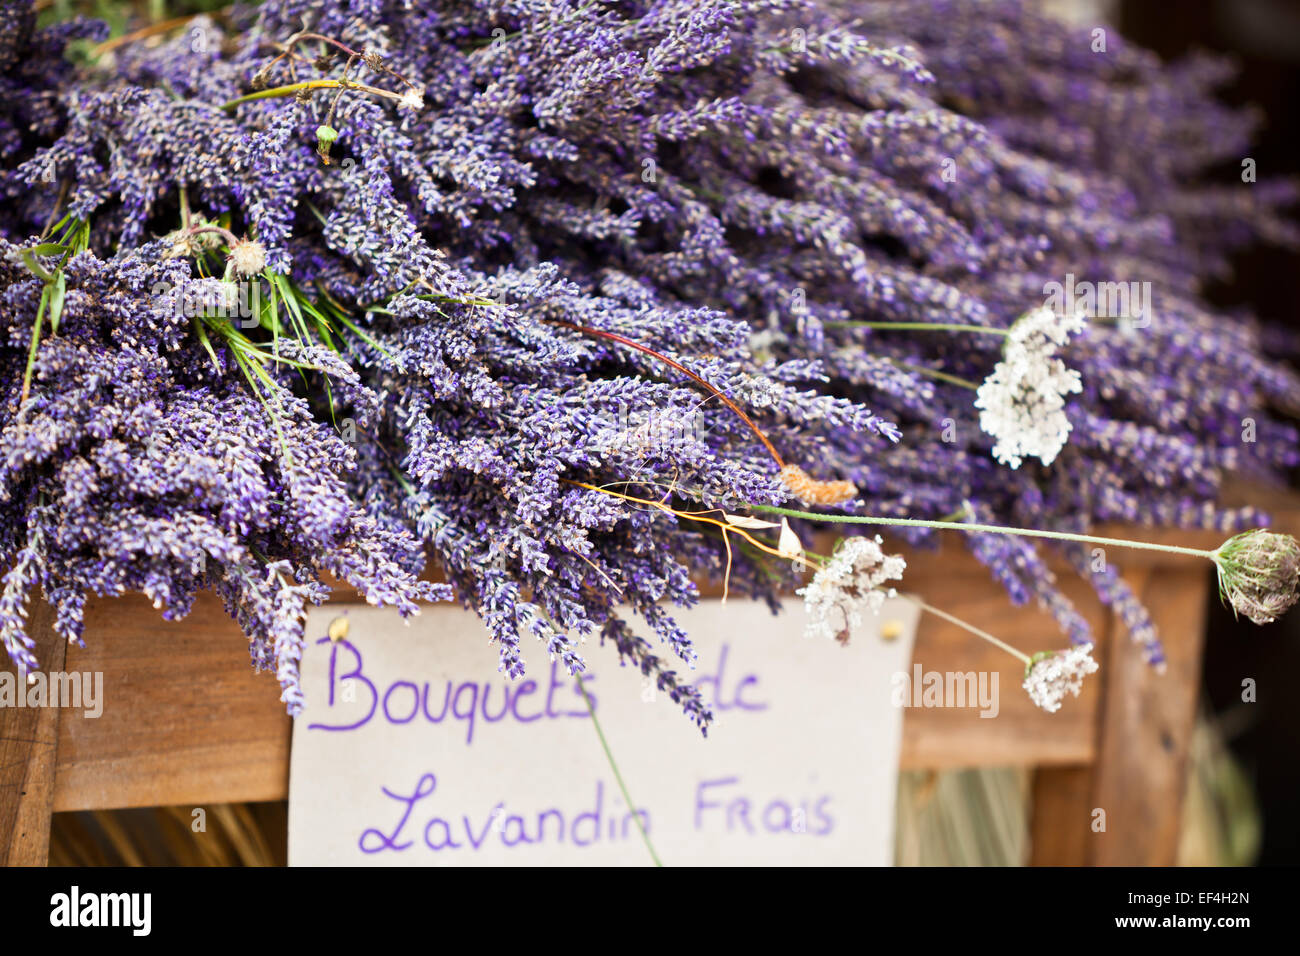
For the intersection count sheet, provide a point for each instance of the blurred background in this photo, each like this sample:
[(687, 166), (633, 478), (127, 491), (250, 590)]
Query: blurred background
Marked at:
[(1244, 779), (1261, 737)]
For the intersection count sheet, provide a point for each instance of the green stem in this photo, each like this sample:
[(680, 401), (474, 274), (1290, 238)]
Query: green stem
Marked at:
[(627, 798), (934, 373), (292, 88), (988, 528), (932, 326), (277, 91), (952, 619), (31, 352)]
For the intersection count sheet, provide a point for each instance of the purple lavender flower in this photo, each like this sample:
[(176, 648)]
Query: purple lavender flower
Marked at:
[(742, 188)]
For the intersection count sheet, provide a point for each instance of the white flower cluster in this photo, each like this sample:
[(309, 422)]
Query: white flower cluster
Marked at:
[(1022, 403), (853, 578), (1051, 677)]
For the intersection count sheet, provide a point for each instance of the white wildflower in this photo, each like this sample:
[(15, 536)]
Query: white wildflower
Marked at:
[(1022, 403), (1051, 676), (412, 99), (853, 578)]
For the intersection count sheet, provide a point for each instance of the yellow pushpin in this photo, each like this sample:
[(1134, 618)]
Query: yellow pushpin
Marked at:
[(891, 630), (338, 629)]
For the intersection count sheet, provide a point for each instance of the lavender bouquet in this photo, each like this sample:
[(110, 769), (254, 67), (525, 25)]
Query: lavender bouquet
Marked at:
[(577, 302)]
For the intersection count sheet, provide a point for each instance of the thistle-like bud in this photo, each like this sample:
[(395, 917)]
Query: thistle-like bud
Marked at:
[(325, 137), (373, 59), (1259, 574), (247, 258)]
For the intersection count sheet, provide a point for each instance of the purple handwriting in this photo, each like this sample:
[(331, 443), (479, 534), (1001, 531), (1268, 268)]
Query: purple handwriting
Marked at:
[(468, 702), (715, 688), (601, 821), (741, 814), (403, 701), (586, 828)]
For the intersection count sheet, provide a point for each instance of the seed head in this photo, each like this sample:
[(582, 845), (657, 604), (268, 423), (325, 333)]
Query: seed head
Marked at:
[(187, 243), (1259, 574), (247, 257)]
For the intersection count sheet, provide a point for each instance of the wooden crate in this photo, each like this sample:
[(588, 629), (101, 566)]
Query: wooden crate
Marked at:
[(191, 724)]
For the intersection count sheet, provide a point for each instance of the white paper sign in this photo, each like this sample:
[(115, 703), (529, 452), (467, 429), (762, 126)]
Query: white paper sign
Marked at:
[(413, 750)]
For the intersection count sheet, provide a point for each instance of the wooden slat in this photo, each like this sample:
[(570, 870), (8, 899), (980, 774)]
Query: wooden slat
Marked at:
[(29, 737), (1146, 729), (1064, 798), (1060, 816), (186, 721), (1138, 779)]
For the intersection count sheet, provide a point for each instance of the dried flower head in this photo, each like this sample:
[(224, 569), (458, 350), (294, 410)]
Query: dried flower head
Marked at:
[(854, 577), (815, 492), (1259, 574), (1022, 402), (188, 243), (247, 257), (1052, 674)]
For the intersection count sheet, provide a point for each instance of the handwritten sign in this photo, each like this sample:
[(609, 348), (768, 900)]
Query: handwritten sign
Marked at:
[(414, 751)]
